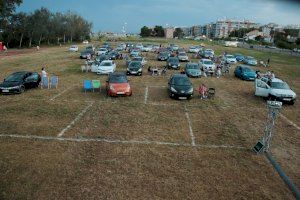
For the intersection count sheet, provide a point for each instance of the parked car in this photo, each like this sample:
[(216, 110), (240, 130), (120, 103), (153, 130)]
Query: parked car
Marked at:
[(94, 66), (274, 89), (183, 57), (194, 49), (139, 46), (163, 56), (91, 48), (84, 54), (101, 51), (106, 67), (181, 50), (142, 60), (207, 65), (18, 82), (73, 48), (147, 48), (239, 57), (179, 86), (206, 54), (192, 70), (245, 73), (296, 50), (101, 57), (248, 60), (174, 47), (134, 53), (229, 59), (135, 68), (113, 55), (118, 85), (85, 42), (173, 62)]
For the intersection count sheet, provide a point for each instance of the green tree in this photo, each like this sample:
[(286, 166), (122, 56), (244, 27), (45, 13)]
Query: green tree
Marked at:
[(178, 33), (145, 31), (159, 30)]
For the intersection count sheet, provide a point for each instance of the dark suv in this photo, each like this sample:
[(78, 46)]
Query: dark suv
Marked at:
[(180, 87), (173, 62)]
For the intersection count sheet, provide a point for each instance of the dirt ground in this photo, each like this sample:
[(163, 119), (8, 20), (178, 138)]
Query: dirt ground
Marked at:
[(69, 144)]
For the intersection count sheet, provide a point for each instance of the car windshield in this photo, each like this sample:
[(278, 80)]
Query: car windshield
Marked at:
[(14, 77), (135, 64), (173, 60), (164, 54), (192, 66), (181, 81), (73, 46), (246, 69), (138, 58), (118, 79), (279, 85), (229, 56), (208, 62), (106, 64), (182, 54)]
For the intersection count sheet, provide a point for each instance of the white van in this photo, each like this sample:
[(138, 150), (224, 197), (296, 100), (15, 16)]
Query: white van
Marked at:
[(274, 89)]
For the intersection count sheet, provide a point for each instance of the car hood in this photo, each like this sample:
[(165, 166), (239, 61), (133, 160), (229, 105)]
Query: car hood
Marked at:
[(174, 63), (283, 92), (182, 87), (193, 71), (105, 67), (120, 86), (10, 84)]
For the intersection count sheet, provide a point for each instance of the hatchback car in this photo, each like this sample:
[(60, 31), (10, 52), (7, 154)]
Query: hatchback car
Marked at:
[(179, 86), (229, 59), (118, 85), (245, 73), (73, 48), (239, 57), (173, 62), (101, 51), (183, 57), (135, 68), (207, 65), (192, 70), (19, 81), (163, 56), (248, 60), (106, 67)]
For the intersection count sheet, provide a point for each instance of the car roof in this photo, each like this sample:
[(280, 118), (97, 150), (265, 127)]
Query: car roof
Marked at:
[(205, 59), (179, 75), (276, 80), (21, 72)]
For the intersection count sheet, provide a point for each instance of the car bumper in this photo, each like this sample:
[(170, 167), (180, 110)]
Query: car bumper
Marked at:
[(181, 95), (134, 73), (105, 71), (285, 99), (119, 93), (174, 66), (10, 91), (194, 76)]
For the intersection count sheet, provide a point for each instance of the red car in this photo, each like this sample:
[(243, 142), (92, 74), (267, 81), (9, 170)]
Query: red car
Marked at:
[(118, 85)]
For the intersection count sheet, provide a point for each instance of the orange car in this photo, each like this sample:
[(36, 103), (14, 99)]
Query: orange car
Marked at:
[(118, 85)]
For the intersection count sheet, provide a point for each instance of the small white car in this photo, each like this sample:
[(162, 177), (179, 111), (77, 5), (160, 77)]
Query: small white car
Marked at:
[(85, 42), (139, 46), (229, 59), (101, 51), (94, 66), (194, 49), (106, 67), (207, 65), (73, 48), (183, 57), (274, 89)]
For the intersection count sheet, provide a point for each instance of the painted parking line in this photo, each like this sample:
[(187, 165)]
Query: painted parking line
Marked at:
[(146, 95), (59, 94), (190, 126), (289, 121), (75, 120), (132, 142)]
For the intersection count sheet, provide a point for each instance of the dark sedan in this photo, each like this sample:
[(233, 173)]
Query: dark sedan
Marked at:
[(135, 68), (163, 56), (180, 87), (173, 62), (85, 53), (19, 81)]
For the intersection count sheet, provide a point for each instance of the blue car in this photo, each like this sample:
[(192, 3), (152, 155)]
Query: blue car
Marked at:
[(248, 60), (245, 73), (239, 57)]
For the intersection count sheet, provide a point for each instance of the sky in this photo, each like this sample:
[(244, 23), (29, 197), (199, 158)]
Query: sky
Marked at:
[(111, 15)]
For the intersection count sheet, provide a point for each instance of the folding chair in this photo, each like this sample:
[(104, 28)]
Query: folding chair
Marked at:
[(96, 85), (83, 68), (87, 85), (211, 93), (45, 82), (54, 81)]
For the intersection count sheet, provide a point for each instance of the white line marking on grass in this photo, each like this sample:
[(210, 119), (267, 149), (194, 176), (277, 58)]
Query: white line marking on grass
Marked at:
[(75, 120), (60, 93), (190, 126), (146, 95), (145, 142), (157, 86), (290, 122)]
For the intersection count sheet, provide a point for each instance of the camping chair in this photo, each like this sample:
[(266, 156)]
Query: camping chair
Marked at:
[(83, 68), (87, 85), (211, 93), (54, 81), (96, 85), (45, 82), (88, 68)]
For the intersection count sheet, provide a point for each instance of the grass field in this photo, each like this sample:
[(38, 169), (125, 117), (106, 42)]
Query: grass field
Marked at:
[(67, 144)]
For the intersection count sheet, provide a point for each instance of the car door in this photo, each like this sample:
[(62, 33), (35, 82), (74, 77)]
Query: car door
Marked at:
[(237, 71), (261, 88)]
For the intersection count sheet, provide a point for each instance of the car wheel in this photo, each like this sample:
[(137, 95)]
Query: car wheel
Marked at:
[(22, 89), (292, 102)]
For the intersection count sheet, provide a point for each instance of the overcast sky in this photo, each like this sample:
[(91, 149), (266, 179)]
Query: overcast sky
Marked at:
[(110, 15)]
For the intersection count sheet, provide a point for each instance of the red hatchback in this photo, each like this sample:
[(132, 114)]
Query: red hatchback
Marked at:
[(118, 85)]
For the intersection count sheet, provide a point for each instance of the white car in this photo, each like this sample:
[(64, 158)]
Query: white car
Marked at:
[(183, 57), (175, 47), (194, 49), (106, 67), (139, 46), (101, 51), (94, 66), (85, 42), (147, 48), (229, 59), (274, 89), (73, 48), (207, 65)]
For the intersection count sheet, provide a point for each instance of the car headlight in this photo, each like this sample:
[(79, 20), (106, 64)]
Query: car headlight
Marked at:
[(140, 70), (111, 87), (179, 65), (173, 89), (170, 64), (191, 90)]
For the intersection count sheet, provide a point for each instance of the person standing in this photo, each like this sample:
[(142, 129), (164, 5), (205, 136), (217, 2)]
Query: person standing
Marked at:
[(44, 73), (268, 62), (218, 71), (4, 48)]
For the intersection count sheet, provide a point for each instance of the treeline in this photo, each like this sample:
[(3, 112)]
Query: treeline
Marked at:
[(157, 31), (43, 27)]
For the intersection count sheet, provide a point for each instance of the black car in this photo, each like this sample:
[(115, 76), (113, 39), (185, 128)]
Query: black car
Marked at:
[(135, 68), (173, 62), (163, 56), (85, 53), (19, 81), (102, 57), (179, 86), (113, 55)]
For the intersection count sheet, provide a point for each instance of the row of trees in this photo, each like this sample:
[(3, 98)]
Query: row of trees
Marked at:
[(41, 26), (158, 31)]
